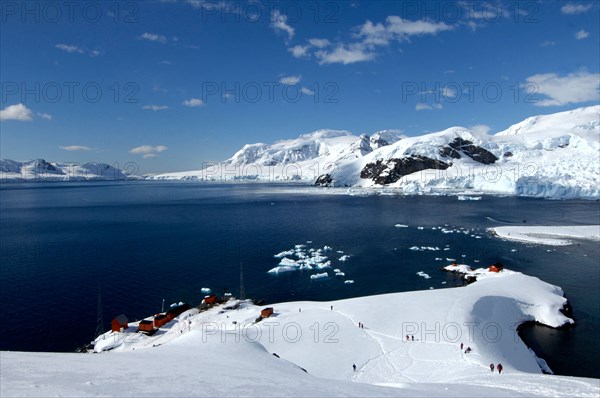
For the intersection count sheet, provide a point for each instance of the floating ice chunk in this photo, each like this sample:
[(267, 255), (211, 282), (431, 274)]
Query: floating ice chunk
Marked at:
[(477, 237), (205, 290), (401, 226), (415, 248), (309, 241), (438, 259), (463, 255), (326, 248), (430, 287), (423, 274), (340, 274), (420, 228), (443, 283), (340, 251), (323, 265), (450, 259), (513, 250), (319, 276), (349, 281), (284, 253), (337, 270), (288, 262), (278, 270), (476, 261), (300, 246), (345, 257), (446, 248)]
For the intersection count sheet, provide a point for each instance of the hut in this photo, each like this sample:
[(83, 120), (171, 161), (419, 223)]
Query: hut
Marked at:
[(266, 312), (496, 267), (176, 311), (212, 299), (119, 323), (146, 326), (160, 320)]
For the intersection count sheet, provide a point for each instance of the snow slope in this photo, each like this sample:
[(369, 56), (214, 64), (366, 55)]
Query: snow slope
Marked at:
[(224, 352), (553, 156), (548, 235), (544, 156), (41, 170), (303, 158)]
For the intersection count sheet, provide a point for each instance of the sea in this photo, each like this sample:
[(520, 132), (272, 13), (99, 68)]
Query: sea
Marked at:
[(75, 255)]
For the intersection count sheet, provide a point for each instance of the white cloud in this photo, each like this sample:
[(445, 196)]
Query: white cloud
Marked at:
[(421, 106), (76, 148), (279, 23), (582, 34), (319, 43), (193, 103), (345, 54), (45, 116), (70, 48), (307, 91), (290, 80), (397, 28), (148, 151), (570, 89), (299, 51), (155, 107), (16, 112), (366, 38), (153, 37), (548, 43), (449, 92), (572, 9)]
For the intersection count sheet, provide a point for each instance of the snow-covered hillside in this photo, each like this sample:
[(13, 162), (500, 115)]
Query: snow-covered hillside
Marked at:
[(552, 156), (41, 170), (300, 159), (309, 349), (545, 156)]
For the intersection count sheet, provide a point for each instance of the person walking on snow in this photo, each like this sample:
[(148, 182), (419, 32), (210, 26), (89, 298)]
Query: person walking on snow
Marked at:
[(354, 367), (499, 367), (461, 346), (491, 367)]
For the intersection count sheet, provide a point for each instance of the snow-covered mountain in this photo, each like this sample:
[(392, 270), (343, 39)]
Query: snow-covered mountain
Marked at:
[(303, 158), (552, 156), (41, 170), (544, 156)]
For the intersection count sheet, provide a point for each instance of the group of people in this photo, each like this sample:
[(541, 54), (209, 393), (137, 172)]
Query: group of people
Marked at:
[(361, 325), (468, 350), (410, 338), (499, 367)]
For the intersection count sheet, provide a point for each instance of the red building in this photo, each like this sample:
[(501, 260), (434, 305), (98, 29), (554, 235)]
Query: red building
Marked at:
[(118, 323)]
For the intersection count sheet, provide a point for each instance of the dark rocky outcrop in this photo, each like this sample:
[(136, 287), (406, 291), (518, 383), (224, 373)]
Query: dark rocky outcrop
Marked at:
[(324, 180), (392, 170), (460, 145)]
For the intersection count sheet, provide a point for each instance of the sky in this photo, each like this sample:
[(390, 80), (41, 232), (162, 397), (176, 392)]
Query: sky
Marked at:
[(169, 85)]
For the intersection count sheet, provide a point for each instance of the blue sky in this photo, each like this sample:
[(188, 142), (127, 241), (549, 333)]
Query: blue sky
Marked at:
[(169, 85)]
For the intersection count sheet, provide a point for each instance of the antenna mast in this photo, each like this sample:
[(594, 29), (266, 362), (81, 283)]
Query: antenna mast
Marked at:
[(242, 290), (99, 322)]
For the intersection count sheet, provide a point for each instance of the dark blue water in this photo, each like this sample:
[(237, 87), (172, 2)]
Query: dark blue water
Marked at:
[(142, 242)]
